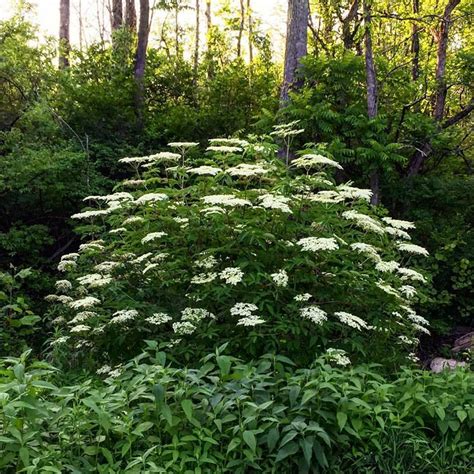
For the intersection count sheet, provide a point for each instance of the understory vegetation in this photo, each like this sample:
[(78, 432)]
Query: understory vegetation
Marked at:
[(206, 267)]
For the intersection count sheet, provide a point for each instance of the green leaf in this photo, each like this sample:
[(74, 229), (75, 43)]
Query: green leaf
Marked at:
[(272, 438), (287, 450), (224, 363), (341, 419), (307, 447), (187, 406), (250, 439)]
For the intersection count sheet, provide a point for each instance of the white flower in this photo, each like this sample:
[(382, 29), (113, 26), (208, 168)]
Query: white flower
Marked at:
[(232, 275), (86, 302), (183, 327), (94, 280), (387, 288), (250, 321), (314, 314), (153, 236), (272, 201), (150, 267), (401, 234), (366, 249), (226, 200), (363, 221), (203, 278), (158, 318), (350, 192), (105, 369), (93, 246), (303, 297), (106, 267), (246, 170), (409, 274), (118, 230), (205, 170), (243, 309), (280, 278), (408, 291), (123, 316), (133, 182), (311, 160), (90, 214), (413, 357), (133, 220), (183, 144), (59, 340), (314, 244), (63, 285), (224, 149), (82, 316), (411, 248), (70, 256), (351, 320), (338, 356), (195, 315), (229, 141), (398, 224), (325, 197), (119, 196), (151, 197), (212, 210), (141, 258), (207, 262), (387, 267), (80, 328), (134, 160)]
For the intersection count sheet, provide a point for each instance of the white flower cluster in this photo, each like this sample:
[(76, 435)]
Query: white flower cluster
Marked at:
[(123, 316), (245, 170), (183, 144), (224, 149), (280, 278), (229, 200), (250, 321), (364, 221), (203, 278), (311, 160), (207, 262), (387, 267), (303, 297), (229, 141), (315, 244), (153, 236), (410, 274), (243, 309), (411, 248), (285, 130), (366, 249), (151, 197), (80, 328), (351, 320), (158, 319), (95, 280), (273, 201), (205, 170), (398, 224), (86, 302), (232, 275), (338, 356), (314, 314), (63, 285)]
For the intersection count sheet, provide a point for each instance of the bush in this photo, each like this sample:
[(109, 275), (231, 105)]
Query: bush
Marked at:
[(224, 416), (231, 245)]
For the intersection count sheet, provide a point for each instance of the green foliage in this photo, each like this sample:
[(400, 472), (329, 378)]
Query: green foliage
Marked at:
[(228, 416), (17, 321)]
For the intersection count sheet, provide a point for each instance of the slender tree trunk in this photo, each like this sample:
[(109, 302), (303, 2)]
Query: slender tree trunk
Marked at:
[(196, 39), (241, 28), (81, 25), (208, 16), (250, 28), (415, 43), (442, 38), (296, 45), (372, 92), (116, 17), (130, 15), (347, 33), (176, 30), (64, 40), (140, 59)]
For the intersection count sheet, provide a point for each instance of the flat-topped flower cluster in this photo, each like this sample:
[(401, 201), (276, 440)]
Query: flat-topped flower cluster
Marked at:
[(232, 238)]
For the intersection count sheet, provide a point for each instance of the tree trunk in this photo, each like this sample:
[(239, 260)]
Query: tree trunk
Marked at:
[(441, 36), (196, 39), (347, 34), (64, 41), (415, 43), (116, 18), (296, 45), (250, 27), (176, 29), (372, 93), (130, 15), (208, 16), (140, 58), (241, 28)]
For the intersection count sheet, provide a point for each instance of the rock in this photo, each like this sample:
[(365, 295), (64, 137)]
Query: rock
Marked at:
[(438, 364), (464, 343)]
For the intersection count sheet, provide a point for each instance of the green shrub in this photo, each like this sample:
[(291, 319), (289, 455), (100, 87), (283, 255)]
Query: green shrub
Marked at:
[(231, 245), (224, 416)]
